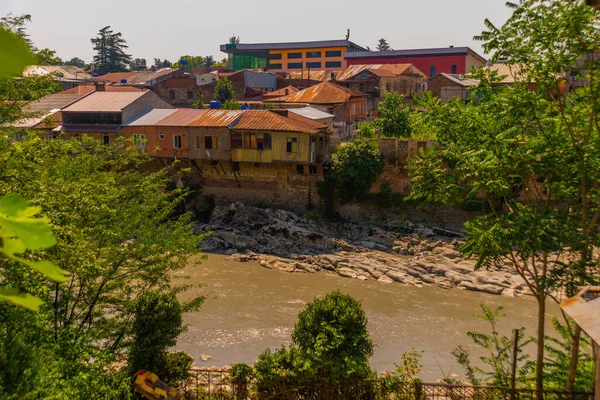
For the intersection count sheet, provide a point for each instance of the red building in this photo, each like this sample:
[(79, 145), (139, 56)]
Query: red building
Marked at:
[(449, 60)]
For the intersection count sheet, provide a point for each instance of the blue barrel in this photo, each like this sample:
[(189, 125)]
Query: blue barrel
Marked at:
[(215, 104)]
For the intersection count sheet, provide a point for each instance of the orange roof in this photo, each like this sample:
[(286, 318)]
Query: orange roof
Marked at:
[(115, 77), (90, 89), (217, 118), (380, 70), (281, 92), (181, 117), (316, 75), (325, 93), (269, 120)]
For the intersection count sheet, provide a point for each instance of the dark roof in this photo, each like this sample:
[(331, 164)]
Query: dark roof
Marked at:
[(229, 48), (443, 51)]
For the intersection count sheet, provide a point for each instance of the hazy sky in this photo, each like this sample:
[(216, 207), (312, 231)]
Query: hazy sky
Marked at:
[(169, 29)]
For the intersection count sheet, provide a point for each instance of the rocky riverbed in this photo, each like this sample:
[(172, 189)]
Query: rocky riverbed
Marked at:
[(389, 251)]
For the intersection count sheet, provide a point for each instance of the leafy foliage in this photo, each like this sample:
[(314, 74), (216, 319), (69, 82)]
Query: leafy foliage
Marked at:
[(15, 55), (231, 105), (48, 57), (110, 50), (76, 62), (137, 64), (383, 45), (158, 63), (393, 116), (354, 167), (224, 90)]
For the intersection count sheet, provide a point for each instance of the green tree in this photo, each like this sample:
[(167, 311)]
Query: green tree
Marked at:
[(48, 57), (393, 116), (354, 168), (16, 24), (224, 90), (158, 63), (110, 50), (76, 62), (527, 151), (383, 45), (231, 105), (209, 61), (191, 63), (137, 64)]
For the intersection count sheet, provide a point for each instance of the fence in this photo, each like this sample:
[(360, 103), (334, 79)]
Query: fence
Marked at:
[(209, 384)]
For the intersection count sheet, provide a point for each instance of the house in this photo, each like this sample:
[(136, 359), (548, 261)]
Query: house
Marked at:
[(281, 95), (101, 113), (348, 106), (376, 79), (285, 57), (173, 135), (278, 136), (449, 60), (210, 136), (65, 75), (315, 115), (142, 131), (448, 86), (246, 84)]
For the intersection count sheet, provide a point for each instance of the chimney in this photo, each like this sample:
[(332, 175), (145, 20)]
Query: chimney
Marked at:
[(100, 86)]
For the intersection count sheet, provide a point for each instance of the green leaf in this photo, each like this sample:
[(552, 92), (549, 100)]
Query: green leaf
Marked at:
[(17, 222), (45, 267), (14, 54), (20, 298)]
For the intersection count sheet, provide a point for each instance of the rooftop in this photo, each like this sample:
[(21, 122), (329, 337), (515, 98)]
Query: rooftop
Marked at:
[(278, 120), (311, 113), (67, 71), (232, 48), (442, 51), (460, 80), (217, 118), (150, 117), (181, 117), (324, 93), (105, 102), (139, 77), (380, 70)]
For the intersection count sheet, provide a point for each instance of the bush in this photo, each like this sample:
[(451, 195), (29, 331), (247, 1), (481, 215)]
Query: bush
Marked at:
[(240, 375), (177, 368), (158, 322)]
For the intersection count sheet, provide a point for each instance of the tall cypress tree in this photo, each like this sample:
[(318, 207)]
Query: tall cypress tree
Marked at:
[(110, 52)]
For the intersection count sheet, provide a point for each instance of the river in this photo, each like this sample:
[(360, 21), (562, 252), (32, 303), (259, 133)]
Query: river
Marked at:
[(249, 308)]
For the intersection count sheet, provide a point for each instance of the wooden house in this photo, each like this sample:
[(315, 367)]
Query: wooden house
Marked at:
[(210, 135)]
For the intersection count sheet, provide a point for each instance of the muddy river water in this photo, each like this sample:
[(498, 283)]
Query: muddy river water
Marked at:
[(249, 308)]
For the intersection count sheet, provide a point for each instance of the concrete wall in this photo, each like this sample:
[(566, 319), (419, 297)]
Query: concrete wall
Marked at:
[(222, 152)]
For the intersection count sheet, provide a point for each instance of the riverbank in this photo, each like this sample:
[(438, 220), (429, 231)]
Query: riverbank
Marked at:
[(387, 251)]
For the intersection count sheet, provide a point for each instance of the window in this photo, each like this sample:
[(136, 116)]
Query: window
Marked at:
[(139, 141), (432, 70), (321, 142), (300, 169), (354, 109), (333, 53), (294, 55), (361, 87), (333, 64), (294, 65), (172, 94), (105, 138), (161, 136), (257, 141), (210, 142), (292, 145), (313, 54), (190, 94), (313, 65), (177, 142), (274, 66), (313, 169), (454, 68), (276, 56)]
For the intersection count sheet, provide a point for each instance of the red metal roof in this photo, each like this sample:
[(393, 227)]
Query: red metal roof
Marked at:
[(267, 120), (181, 117), (325, 93), (217, 118), (90, 89)]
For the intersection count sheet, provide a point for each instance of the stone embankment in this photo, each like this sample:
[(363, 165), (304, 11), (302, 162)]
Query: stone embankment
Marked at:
[(386, 251)]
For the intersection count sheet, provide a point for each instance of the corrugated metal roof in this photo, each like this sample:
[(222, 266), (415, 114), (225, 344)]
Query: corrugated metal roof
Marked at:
[(584, 308), (68, 72), (217, 118), (380, 70), (267, 120), (150, 117), (443, 51), (54, 101), (105, 102), (508, 73), (90, 89), (311, 113), (459, 80), (288, 45), (181, 117), (139, 77), (315, 75), (324, 93)]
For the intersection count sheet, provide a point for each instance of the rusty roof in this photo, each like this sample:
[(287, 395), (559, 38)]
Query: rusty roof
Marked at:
[(324, 93), (217, 118), (150, 117), (139, 77), (89, 89), (277, 120), (281, 92), (181, 117), (380, 70), (105, 102), (584, 308), (316, 75)]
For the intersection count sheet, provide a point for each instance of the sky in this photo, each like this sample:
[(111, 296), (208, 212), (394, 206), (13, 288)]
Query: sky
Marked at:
[(170, 29)]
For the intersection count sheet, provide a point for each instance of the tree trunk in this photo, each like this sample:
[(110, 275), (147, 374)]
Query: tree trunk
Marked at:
[(539, 367), (574, 360)]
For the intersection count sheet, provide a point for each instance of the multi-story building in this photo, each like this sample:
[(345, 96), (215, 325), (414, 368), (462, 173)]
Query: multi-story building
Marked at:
[(286, 57), (449, 60)]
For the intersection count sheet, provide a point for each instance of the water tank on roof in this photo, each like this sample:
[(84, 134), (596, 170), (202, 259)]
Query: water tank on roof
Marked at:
[(215, 104), (183, 61), (123, 81), (94, 75)]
